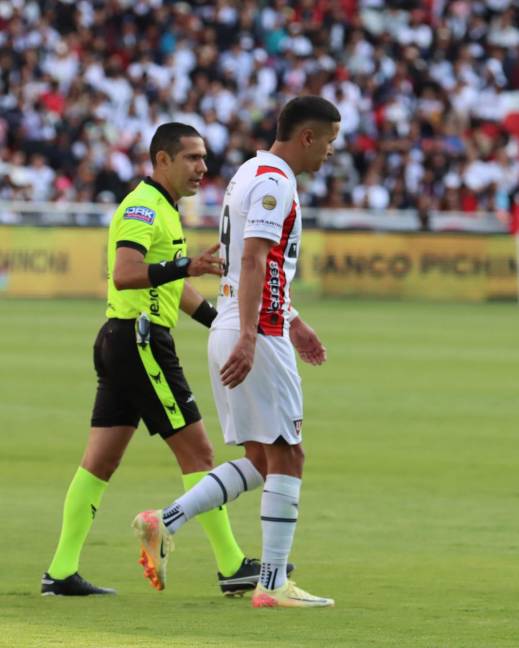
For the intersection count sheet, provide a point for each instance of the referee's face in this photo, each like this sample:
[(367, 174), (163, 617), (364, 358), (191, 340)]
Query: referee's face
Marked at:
[(183, 173)]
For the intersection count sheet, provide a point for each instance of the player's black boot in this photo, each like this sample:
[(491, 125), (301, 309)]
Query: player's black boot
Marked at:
[(73, 585), (245, 579)]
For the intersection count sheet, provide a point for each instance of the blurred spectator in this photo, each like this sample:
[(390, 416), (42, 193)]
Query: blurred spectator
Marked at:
[(372, 194), (41, 178), (428, 93)]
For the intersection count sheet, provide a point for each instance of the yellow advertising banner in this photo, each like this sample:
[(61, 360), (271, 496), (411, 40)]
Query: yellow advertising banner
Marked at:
[(52, 262), (71, 262), (458, 267), (308, 264)]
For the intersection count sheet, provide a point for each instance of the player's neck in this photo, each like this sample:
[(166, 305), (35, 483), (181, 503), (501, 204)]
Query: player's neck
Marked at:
[(286, 151)]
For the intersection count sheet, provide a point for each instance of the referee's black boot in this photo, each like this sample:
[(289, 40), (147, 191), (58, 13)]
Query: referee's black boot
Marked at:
[(73, 585), (245, 579)]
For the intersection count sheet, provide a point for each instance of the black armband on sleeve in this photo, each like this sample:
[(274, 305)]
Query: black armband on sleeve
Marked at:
[(166, 271), (205, 313)]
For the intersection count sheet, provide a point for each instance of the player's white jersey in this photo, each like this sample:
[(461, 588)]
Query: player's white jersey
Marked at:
[(261, 201)]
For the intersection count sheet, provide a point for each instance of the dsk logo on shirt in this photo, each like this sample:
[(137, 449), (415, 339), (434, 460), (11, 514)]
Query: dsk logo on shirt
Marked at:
[(143, 214)]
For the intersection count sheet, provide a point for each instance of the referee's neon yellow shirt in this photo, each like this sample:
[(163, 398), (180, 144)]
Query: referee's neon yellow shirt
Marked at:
[(147, 220)]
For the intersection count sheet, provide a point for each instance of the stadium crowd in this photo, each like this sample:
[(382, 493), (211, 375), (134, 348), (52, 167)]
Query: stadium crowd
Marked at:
[(424, 90)]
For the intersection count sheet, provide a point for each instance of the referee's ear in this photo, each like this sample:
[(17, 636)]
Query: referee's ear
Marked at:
[(162, 159)]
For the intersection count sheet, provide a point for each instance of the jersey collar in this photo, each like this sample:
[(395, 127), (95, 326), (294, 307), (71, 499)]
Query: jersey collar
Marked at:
[(160, 188), (266, 157)]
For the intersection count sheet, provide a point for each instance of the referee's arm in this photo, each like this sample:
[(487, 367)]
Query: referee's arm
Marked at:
[(191, 299), (130, 270), (193, 304)]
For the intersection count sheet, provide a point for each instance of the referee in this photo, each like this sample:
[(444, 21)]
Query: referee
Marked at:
[(138, 371)]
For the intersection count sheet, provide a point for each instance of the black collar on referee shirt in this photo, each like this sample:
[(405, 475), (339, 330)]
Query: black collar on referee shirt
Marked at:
[(163, 191)]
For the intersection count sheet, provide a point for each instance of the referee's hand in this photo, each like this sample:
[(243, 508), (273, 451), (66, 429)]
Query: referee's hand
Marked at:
[(206, 263)]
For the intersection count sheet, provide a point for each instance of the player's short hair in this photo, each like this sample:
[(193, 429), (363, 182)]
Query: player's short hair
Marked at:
[(302, 109), (167, 138)]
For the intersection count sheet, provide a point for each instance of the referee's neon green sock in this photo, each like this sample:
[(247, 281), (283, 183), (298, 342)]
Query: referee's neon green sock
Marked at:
[(217, 528), (81, 503)]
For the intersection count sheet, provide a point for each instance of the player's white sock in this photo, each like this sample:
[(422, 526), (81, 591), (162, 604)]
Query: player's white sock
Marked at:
[(279, 508), (222, 484)]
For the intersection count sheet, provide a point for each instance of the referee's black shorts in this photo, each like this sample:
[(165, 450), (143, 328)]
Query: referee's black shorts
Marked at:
[(130, 388)]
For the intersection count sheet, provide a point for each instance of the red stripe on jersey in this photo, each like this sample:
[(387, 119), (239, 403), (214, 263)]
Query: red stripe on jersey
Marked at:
[(269, 169), (271, 320)]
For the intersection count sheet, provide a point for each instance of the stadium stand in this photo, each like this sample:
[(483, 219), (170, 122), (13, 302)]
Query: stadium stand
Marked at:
[(428, 93)]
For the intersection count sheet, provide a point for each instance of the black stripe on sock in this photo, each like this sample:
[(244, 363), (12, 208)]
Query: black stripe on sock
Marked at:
[(274, 492), (276, 519), (173, 517), (171, 510), (220, 483), (240, 474)]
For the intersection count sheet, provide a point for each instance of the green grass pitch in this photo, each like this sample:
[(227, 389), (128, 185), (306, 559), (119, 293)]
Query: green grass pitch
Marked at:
[(410, 504)]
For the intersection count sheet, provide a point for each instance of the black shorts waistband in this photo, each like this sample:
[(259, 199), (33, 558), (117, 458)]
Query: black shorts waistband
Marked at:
[(130, 323)]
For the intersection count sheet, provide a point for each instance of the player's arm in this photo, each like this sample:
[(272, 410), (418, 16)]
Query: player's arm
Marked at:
[(131, 271), (252, 276), (192, 303), (306, 342)]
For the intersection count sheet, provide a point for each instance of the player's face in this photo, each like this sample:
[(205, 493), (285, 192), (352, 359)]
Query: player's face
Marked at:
[(185, 171), (320, 145)]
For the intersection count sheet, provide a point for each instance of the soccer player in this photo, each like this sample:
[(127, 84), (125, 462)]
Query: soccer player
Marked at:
[(251, 350), (138, 371)]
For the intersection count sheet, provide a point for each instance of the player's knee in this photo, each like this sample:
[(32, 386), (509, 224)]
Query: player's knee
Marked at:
[(257, 457), (298, 456)]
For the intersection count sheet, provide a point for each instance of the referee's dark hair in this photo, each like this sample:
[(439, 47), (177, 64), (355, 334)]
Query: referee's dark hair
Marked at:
[(302, 109), (167, 138)]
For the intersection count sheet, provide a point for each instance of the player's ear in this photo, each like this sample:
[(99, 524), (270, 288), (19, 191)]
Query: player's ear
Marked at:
[(306, 137)]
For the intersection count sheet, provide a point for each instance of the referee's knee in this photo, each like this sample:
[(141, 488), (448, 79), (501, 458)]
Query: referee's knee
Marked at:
[(205, 455), (192, 449), (101, 467), (198, 458)]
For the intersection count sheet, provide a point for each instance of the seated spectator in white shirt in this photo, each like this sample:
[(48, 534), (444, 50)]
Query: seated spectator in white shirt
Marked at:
[(372, 194), (41, 178)]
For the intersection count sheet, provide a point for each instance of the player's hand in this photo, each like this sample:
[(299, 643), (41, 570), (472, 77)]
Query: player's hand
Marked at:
[(206, 263), (237, 367), (306, 342)]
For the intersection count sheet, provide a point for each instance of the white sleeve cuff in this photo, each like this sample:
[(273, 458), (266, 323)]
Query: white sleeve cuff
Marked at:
[(292, 314)]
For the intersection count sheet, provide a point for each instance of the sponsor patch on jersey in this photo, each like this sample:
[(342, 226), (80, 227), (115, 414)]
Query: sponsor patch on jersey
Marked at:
[(269, 202), (226, 290), (143, 214)]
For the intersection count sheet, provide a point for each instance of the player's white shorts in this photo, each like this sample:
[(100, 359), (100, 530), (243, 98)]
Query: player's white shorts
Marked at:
[(269, 402)]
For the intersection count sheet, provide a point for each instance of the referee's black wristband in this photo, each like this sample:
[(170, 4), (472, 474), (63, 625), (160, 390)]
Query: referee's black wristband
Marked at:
[(161, 273), (205, 313)]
